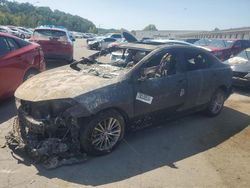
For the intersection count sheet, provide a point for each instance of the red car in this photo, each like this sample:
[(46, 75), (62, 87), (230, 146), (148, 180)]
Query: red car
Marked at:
[(56, 43), (224, 49), (19, 60)]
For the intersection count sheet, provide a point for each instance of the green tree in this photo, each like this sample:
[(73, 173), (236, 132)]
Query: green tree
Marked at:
[(27, 15), (150, 27)]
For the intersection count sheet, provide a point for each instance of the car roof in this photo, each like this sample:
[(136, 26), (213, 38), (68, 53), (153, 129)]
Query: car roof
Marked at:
[(53, 29)]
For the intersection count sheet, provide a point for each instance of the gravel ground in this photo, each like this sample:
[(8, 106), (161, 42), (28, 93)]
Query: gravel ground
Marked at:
[(193, 151)]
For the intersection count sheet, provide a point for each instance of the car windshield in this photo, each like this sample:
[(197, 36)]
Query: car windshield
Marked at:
[(221, 43), (43, 34), (111, 64)]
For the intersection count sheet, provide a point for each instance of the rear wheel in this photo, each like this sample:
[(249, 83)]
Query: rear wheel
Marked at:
[(216, 103), (102, 134), (22, 36)]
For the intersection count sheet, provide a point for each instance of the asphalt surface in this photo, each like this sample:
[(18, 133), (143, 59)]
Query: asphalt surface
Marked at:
[(193, 151)]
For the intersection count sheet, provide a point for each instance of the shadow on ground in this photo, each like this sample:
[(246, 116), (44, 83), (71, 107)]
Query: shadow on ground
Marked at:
[(242, 91), (7, 109), (149, 149), (51, 64)]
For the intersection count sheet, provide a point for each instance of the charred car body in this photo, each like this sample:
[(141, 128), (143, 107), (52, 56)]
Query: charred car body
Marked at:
[(88, 105)]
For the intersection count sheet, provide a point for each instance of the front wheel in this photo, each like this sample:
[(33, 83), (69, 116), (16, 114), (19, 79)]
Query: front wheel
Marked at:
[(216, 103), (102, 134)]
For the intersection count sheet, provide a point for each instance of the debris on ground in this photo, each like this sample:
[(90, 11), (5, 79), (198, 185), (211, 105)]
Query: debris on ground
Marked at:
[(51, 152)]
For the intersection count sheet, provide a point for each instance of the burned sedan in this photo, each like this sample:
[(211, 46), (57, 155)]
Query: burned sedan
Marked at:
[(88, 105)]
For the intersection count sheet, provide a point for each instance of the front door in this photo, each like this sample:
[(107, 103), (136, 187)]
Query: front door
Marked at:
[(165, 87)]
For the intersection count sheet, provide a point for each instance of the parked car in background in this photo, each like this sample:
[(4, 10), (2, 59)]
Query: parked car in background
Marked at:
[(19, 60), (224, 49), (5, 29), (116, 36), (55, 42), (97, 101), (27, 31), (191, 40), (21, 34), (72, 37), (100, 43), (240, 64), (202, 42)]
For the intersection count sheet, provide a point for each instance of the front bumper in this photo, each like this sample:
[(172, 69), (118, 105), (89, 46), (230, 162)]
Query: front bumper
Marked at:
[(29, 135)]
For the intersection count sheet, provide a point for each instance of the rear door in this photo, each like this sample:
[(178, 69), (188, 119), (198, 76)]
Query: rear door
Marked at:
[(166, 91), (200, 77)]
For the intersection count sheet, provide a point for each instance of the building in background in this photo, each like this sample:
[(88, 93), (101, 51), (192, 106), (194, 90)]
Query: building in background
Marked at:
[(163, 34), (234, 33)]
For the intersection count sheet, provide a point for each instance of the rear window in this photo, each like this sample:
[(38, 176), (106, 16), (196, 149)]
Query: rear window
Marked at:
[(50, 35)]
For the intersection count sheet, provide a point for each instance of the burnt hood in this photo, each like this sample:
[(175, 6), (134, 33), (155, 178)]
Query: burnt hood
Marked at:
[(128, 36), (60, 83)]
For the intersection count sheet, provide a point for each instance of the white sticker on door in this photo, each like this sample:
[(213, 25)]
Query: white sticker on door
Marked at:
[(144, 98), (182, 92)]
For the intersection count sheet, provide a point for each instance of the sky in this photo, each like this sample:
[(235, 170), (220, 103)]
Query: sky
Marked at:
[(165, 14)]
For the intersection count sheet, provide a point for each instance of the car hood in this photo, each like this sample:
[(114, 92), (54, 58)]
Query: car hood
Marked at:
[(60, 83), (129, 37)]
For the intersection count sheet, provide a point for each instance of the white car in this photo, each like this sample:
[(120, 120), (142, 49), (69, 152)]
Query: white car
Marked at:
[(100, 43), (5, 29)]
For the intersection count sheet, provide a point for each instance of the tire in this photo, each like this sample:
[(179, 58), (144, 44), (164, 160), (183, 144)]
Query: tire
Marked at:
[(216, 103), (22, 36), (97, 139), (29, 74)]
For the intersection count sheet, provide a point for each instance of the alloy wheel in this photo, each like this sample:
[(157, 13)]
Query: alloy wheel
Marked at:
[(106, 134)]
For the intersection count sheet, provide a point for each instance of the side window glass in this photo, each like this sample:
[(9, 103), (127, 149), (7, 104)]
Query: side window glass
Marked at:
[(196, 61), (12, 43), (4, 46), (109, 40), (163, 64)]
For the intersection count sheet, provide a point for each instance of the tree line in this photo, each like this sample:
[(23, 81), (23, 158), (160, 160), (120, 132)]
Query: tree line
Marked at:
[(28, 15)]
